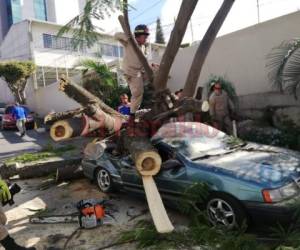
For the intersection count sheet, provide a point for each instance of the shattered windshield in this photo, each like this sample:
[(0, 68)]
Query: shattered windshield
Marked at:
[(196, 140)]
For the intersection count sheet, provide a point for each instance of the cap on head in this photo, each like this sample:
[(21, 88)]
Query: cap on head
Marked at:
[(141, 29)]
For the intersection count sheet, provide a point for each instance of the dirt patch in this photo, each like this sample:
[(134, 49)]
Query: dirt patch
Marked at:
[(60, 199)]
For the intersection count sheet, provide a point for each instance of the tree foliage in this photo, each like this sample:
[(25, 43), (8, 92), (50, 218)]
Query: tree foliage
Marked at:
[(83, 31), (159, 36), (284, 65), (100, 81), (16, 73)]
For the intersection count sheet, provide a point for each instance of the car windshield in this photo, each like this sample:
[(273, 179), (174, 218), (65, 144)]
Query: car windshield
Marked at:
[(196, 140)]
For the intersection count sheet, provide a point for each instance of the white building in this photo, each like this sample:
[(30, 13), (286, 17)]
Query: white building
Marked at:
[(13, 11)]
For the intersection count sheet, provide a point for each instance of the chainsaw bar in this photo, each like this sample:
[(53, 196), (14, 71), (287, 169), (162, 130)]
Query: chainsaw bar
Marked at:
[(66, 218), (53, 219)]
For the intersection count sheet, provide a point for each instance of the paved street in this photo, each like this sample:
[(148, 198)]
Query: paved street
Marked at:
[(11, 143)]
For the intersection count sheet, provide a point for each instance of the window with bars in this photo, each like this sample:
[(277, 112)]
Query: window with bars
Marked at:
[(111, 50), (63, 43)]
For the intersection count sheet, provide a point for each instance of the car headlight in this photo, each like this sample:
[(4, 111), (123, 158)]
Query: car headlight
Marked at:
[(275, 195)]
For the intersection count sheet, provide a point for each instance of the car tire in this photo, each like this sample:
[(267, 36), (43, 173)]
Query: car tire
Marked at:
[(224, 210), (104, 180)]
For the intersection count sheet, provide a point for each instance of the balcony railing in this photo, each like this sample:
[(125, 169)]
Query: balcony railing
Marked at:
[(66, 43)]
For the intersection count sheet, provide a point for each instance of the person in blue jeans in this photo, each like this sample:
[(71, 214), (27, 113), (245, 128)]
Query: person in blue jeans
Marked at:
[(20, 115)]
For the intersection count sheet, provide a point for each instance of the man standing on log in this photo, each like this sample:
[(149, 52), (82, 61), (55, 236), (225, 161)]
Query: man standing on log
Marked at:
[(5, 240), (133, 68)]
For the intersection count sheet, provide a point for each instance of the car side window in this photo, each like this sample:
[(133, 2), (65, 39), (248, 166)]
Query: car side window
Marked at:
[(164, 154)]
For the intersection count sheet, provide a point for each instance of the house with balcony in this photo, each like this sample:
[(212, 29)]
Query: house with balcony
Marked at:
[(37, 40)]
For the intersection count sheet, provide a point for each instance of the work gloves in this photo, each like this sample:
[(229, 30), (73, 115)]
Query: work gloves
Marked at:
[(4, 192)]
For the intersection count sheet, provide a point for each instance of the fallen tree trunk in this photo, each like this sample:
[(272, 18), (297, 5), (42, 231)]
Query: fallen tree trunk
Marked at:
[(53, 117)]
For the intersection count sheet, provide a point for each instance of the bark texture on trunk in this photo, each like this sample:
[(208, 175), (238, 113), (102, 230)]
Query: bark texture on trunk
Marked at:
[(53, 117), (70, 172), (203, 49), (184, 15)]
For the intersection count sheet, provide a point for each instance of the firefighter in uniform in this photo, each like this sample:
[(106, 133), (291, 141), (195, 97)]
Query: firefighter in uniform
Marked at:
[(132, 67), (220, 106), (6, 241)]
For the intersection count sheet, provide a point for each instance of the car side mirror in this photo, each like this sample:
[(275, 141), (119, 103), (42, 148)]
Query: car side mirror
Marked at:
[(171, 164)]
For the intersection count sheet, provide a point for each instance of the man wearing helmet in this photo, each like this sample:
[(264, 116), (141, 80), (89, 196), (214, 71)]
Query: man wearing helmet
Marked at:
[(220, 106), (132, 67)]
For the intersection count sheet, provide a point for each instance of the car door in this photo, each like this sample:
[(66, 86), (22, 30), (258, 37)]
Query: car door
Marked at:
[(171, 181), (131, 179)]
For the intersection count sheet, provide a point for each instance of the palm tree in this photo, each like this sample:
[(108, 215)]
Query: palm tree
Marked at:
[(284, 65)]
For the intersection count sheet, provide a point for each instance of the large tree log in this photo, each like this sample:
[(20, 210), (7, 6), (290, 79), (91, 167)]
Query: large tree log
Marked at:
[(186, 10), (53, 117), (84, 97), (68, 173), (148, 163), (203, 49)]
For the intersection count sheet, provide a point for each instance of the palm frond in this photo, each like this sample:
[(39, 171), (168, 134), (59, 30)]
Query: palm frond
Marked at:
[(284, 65), (82, 28)]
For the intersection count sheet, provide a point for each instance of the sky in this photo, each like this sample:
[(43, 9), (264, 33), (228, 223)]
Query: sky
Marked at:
[(244, 13)]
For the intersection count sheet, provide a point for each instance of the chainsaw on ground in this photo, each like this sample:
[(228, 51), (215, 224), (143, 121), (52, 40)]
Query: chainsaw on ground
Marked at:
[(91, 213)]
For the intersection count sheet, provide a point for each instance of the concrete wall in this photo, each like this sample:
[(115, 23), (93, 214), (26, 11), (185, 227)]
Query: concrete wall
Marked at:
[(240, 56), (5, 93), (16, 45), (50, 99)]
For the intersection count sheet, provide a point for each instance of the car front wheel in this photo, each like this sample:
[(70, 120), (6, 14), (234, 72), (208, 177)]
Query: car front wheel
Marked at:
[(104, 180), (223, 210)]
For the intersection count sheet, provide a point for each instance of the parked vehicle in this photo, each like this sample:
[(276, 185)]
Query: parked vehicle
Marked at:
[(247, 181), (9, 122), (2, 110)]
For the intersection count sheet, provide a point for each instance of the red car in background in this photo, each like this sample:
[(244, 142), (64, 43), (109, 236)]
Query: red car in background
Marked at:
[(8, 121)]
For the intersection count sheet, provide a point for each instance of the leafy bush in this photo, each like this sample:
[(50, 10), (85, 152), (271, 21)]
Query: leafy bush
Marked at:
[(16, 73), (103, 83)]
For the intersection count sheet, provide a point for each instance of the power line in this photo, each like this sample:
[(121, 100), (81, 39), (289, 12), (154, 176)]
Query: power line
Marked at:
[(149, 8)]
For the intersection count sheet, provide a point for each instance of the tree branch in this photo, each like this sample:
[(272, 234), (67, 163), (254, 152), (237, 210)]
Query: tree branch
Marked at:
[(184, 15), (205, 45)]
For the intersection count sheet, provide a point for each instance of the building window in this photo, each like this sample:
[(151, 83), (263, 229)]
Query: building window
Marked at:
[(14, 11), (64, 43), (40, 9), (111, 50)]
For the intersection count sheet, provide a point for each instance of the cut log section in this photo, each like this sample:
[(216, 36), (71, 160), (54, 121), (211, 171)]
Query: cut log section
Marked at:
[(64, 129), (148, 163), (156, 207)]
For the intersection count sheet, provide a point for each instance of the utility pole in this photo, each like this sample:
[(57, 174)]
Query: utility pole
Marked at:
[(257, 5), (192, 31)]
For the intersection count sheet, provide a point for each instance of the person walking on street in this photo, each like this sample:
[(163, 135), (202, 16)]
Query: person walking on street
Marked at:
[(132, 67), (5, 240), (20, 115), (220, 106)]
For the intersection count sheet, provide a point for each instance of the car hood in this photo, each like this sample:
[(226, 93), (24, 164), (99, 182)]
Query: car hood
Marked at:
[(269, 166)]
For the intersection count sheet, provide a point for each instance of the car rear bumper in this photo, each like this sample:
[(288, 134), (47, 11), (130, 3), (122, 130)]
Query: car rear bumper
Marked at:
[(284, 212)]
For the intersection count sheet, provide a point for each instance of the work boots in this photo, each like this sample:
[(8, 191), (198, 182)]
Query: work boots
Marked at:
[(9, 244)]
